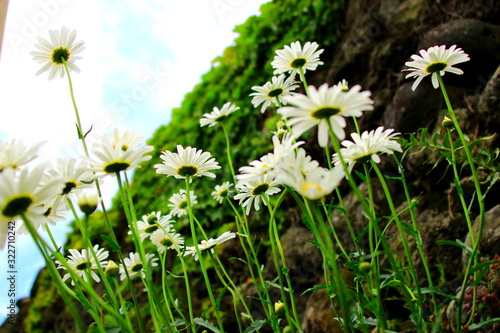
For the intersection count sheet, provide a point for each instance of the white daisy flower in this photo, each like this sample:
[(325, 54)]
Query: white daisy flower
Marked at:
[(434, 60), (126, 140), (77, 175), (134, 265), (367, 146), (187, 162), (296, 161), (255, 190), (150, 223), (209, 244), (315, 184), (343, 85), (55, 211), (275, 92), (61, 46), (216, 116), (25, 193), (292, 58), (13, 154), (81, 262), (178, 203), (221, 191), (325, 105), (269, 163), (111, 156), (167, 240)]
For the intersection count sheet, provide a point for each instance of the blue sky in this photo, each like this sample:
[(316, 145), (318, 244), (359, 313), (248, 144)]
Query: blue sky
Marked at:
[(140, 59)]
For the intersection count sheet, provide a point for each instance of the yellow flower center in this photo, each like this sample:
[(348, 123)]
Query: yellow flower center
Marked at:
[(187, 170), (436, 67), (115, 167), (260, 189), (69, 187), (17, 206), (325, 112), (306, 186), (59, 54), (298, 63), (275, 92)]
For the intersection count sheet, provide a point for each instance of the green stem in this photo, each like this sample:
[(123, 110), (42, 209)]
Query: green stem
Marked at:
[(63, 289), (276, 244), (77, 114), (375, 261), (480, 199), (228, 152), (331, 259), (140, 249), (198, 253), (253, 258), (217, 264), (303, 79), (371, 217), (188, 293), (401, 231)]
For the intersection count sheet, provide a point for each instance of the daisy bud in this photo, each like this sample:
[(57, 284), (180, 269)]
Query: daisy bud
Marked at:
[(365, 267), (112, 270), (447, 122), (87, 203), (279, 308)]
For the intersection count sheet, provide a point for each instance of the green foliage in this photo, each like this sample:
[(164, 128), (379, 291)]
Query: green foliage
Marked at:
[(241, 66), (442, 144)]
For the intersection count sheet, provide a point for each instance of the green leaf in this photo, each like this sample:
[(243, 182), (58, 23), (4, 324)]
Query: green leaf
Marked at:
[(285, 270), (111, 243), (219, 299), (457, 243), (458, 186), (256, 326), (410, 229), (487, 322), (360, 175), (204, 323), (313, 289), (277, 286), (127, 305), (111, 328)]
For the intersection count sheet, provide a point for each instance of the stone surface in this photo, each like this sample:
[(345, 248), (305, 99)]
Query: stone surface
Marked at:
[(489, 101), (490, 240)]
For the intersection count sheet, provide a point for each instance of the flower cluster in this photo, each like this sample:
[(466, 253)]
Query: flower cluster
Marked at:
[(41, 195)]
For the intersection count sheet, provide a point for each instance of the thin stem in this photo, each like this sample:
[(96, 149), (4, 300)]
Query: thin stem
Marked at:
[(375, 261), (77, 114), (228, 152), (273, 232), (303, 79), (267, 305), (198, 253), (480, 199), (63, 290), (139, 247)]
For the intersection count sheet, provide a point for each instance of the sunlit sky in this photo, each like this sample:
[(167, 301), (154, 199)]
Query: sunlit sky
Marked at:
[(140, 59)]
